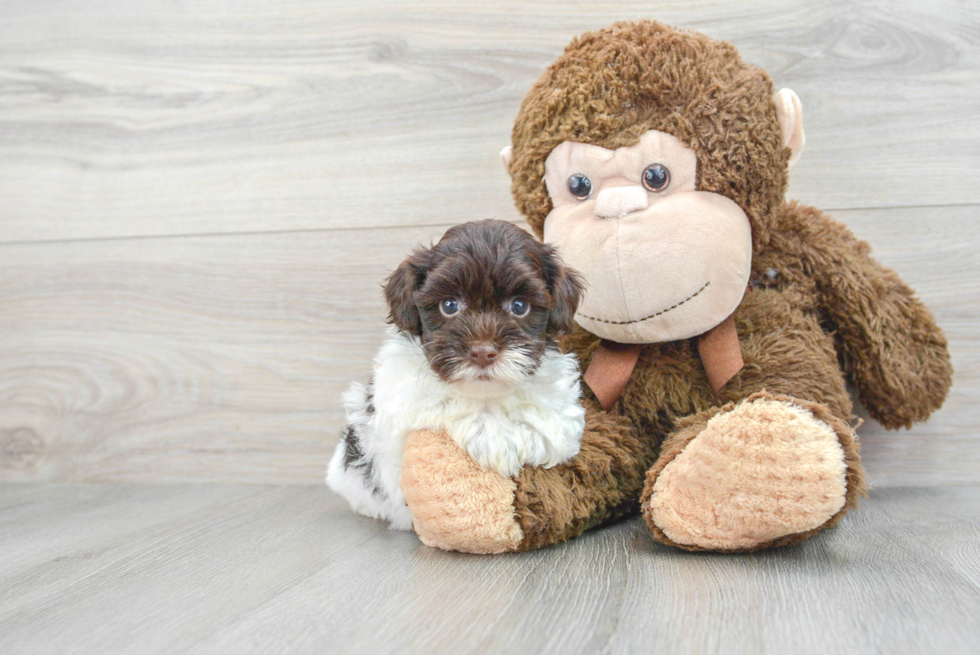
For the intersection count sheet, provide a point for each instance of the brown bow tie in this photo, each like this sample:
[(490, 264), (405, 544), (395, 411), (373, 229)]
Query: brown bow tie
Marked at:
[(613, 363)]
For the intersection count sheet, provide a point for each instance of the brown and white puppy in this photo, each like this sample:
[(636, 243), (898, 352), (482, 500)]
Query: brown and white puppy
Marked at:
[(486, 303), (473, 353)]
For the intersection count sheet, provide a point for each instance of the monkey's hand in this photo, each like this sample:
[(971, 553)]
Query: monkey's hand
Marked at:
[(457, 505)]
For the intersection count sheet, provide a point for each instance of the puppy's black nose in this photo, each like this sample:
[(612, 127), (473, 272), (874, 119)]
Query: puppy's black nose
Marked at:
[(483, 354)]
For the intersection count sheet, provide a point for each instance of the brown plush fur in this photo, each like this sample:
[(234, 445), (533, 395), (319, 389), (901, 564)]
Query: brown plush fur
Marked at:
[(606, 476), (819, 307)]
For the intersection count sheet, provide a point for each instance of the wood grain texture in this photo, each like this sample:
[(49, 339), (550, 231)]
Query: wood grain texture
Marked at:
[(205, 569), (198, 203), (166, 359), (223, 358), (126, 118)]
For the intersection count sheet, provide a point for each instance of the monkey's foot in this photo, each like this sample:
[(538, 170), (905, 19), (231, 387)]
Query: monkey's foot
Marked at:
[(769, 471), (456, 505)]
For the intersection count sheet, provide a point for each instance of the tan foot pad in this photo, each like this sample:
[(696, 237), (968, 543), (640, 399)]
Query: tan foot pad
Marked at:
[(764, 470), (455, 504)]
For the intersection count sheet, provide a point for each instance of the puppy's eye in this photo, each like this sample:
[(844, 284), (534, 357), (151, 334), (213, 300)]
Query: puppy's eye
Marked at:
[(580, 186), (449, 307), (656, 177), (520, 307)]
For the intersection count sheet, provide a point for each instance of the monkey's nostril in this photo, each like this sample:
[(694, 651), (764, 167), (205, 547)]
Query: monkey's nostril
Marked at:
[(483, 354)]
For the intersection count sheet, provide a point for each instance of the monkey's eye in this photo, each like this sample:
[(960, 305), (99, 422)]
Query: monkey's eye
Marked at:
[(580, 186), (656, 177), (449, 307), (520, 307)]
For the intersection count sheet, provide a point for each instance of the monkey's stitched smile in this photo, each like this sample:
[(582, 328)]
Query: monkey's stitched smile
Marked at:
[(647, 318)]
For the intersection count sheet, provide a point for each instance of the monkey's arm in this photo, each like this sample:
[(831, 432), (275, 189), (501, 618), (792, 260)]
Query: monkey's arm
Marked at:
[(889, 342), (458, 505)]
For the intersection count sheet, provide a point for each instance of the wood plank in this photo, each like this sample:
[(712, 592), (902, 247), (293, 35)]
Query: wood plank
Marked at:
[(42, 524), (291, 569), (171, 359), (141, 118), (223, 358)]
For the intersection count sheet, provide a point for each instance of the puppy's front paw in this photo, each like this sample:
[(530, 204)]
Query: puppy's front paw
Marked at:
[(455, 503), (507, 446), (490, 447)]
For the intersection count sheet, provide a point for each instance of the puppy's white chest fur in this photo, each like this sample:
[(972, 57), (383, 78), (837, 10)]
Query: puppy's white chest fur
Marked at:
[(536, 423)]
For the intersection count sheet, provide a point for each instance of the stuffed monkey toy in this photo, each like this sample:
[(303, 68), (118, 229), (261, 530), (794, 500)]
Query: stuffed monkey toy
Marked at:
[(720, 321)]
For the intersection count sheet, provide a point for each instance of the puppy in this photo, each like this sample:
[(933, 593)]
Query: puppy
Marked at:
[(472, 352)]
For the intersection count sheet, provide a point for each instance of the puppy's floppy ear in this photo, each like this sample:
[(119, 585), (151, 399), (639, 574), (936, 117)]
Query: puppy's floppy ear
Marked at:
[(565, 286), (400, 288)]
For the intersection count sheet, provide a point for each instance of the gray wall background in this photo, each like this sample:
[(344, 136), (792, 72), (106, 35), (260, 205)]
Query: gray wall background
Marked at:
[(198, 202)]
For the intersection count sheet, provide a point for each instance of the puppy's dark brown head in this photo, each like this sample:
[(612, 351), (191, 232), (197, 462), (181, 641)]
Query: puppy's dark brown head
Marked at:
[(486, 301)]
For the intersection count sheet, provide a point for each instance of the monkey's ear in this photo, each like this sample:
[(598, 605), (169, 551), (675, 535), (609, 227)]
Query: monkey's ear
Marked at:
[(565, 287), (789, 112), (400, 288), (505, 156)]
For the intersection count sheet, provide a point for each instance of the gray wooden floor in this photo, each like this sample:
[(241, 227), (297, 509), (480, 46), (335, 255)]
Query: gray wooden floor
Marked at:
[(277, 569)]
